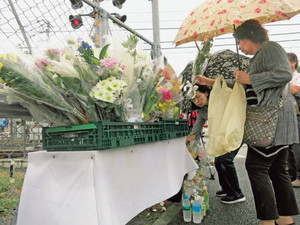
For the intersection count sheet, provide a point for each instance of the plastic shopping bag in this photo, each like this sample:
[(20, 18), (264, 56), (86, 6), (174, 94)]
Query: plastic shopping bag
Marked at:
[(226, 117)]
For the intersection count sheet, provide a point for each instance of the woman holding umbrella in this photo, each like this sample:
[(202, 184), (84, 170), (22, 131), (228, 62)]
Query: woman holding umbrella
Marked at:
[(267, 76)]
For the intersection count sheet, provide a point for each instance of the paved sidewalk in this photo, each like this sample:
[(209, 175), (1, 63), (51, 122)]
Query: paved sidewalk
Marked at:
[(219, 213)]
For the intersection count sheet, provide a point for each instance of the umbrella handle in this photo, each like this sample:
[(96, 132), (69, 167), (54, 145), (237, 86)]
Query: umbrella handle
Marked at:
[(237, 49)]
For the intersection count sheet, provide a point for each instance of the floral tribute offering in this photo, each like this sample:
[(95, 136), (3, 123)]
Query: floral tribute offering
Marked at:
[(164, 96), (75, 85), (205, 163)]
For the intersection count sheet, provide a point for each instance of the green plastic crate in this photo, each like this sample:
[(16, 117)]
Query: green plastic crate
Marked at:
[(106, 135), (175, 128)]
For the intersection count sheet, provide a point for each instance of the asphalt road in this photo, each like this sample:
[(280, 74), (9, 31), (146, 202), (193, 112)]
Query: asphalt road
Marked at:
[(219, 213)]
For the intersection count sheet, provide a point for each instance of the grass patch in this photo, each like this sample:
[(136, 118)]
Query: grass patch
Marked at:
[(10, 191)]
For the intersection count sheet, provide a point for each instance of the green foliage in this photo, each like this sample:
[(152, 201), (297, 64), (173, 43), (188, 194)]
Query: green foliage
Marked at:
[(202, 56), (10, 192), (103, 52), (131, 44)]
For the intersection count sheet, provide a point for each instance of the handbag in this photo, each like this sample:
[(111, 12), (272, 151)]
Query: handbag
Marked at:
[(261, 123)]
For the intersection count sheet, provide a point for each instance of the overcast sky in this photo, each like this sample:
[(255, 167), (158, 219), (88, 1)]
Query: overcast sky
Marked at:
[(171, 15)]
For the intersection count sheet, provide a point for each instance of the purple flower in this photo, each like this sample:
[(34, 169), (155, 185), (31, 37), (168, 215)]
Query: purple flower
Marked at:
[(109, 62)]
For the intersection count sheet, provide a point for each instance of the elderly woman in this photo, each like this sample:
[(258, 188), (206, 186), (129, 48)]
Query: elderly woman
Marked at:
[(264, 82)]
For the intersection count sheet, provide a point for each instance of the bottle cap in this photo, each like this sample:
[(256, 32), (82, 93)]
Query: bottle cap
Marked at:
[(185, 197)]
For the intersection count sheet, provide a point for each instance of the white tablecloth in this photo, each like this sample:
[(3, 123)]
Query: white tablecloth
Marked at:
[(107, 187)]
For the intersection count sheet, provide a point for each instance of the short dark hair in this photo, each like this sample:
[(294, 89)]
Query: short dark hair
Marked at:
[(253, 31), (203, 89), (293, 58)]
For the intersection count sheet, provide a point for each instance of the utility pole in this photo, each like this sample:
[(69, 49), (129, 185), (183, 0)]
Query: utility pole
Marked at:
[(156, 30)]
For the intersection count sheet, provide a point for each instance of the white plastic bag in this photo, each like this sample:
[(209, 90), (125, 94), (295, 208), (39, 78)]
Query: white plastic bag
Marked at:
[(226, 117)]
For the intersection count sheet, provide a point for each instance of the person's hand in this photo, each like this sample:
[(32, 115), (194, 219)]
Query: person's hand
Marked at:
[(202, 80), (190, 138), (241, 77)]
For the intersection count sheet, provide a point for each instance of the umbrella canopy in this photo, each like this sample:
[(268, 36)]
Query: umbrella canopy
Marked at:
[(217, 17), (219, 63), (224, 63)]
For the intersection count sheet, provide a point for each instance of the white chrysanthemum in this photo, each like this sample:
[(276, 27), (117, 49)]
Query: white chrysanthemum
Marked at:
[(108, 89), (110, 79), (92, 93), (99, 94), (122, 83), (102, 84), (109, 98), (115, 85)]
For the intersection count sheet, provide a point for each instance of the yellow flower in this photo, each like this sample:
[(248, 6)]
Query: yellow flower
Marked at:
[(193, 155), (1, 65), (2, 81), (12, 57), (3, 56)]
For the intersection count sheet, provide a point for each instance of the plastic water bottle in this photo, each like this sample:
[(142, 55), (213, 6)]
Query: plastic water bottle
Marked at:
[(186, 204), (195, 194), (197, 214), (205, 194)]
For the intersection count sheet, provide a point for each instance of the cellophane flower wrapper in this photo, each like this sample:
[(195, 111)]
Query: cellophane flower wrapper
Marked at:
[(28, 85), (140, 71), (165, 96), (76, 84)]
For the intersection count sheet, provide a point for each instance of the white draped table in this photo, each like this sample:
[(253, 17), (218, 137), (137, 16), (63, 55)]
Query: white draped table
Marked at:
[(107, 187)]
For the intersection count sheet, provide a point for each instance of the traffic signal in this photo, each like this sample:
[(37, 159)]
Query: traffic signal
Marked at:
[(76, 4), (118, 3), (76, 21), (119, 17)]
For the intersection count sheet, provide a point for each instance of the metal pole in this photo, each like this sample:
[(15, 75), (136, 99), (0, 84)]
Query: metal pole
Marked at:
[(156, 30), (20, 25), (103, 13)]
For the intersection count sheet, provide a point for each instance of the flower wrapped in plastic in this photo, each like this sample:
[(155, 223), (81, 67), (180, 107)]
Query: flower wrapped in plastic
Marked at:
[(76, 84), (164, 96), (63, 82)]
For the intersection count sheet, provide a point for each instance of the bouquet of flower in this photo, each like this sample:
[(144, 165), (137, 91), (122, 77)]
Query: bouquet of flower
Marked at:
[(74, 85), (164, 96)]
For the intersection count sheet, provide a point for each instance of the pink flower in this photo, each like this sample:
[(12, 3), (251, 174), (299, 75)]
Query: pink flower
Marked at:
[(123, 67), (41, 63), (201, 154), (109, 62), (166, 93)]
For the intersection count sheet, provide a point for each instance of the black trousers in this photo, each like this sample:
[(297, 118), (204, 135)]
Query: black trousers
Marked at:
[(271, 185), (228, 178), (296, 152)]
